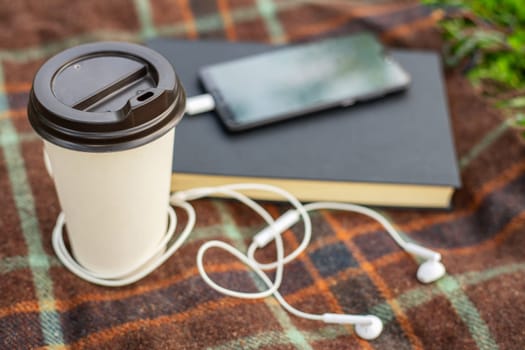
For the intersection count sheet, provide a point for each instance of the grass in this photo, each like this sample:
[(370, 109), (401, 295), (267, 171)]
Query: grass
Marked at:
[(486, 39)]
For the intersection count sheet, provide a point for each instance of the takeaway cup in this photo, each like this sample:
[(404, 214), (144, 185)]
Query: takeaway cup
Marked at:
[(107, 113)]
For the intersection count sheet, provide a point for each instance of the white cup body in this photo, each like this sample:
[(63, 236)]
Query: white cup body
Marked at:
[(115, 203)]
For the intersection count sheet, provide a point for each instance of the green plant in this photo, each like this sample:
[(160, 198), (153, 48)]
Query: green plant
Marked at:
[(486, 39)]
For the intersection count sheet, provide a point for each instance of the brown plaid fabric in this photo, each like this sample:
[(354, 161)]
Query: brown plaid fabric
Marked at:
[(352, 266)]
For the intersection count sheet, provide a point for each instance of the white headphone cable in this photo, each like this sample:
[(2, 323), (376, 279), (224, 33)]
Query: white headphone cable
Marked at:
[(429, 271), (118, 281), (367, 326), (272, 287)]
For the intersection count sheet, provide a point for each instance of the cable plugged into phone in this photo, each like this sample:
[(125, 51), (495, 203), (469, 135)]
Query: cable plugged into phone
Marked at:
[(200, 104)]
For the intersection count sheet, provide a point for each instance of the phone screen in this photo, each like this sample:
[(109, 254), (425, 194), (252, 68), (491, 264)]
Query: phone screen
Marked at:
[(296, 80)]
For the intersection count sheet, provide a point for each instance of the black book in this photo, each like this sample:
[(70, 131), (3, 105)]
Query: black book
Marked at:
[(395, 151)]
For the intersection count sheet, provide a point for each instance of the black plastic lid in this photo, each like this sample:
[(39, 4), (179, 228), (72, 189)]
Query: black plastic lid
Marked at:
[(106, 96)]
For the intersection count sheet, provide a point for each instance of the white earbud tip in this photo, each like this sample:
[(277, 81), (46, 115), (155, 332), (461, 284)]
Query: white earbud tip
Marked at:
[(430, 271), (371, 330)]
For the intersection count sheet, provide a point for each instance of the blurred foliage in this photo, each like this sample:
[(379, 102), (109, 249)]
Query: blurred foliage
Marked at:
[(486, 39)]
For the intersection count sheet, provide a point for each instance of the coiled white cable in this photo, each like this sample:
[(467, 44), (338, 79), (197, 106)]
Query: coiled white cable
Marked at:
[(367, 326), (118, 281), (202, 192)]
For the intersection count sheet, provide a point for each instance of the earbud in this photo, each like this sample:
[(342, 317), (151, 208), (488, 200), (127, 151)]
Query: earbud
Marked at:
[(432, 269), (369, 330), (367, 326)]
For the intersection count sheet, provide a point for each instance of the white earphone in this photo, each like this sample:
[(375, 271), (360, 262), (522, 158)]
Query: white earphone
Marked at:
[(366, 326)]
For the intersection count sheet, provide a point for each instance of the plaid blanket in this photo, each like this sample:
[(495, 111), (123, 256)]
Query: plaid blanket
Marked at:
[(352, 266)]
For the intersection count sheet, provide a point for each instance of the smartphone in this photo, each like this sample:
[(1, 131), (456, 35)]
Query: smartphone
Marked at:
[(301, 79)]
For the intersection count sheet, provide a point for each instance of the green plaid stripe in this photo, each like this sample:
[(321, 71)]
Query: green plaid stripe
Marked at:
[(55, 305), (294, 336), (407, 300), (37, 260), (485, 142), (204, 24), (143, 8), (268, 11), (468, 313), (450, 287)]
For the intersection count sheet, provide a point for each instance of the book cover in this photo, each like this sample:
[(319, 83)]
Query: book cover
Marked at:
[(394, 151)]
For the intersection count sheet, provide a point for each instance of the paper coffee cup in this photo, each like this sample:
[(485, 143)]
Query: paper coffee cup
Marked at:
[(107, 114)]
